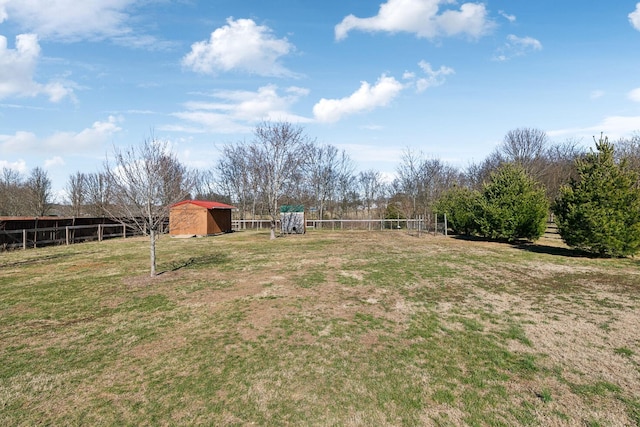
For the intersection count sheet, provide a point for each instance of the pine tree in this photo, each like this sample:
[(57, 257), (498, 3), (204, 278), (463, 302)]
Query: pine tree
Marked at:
[(512, 206), (599, 211), (460, 205)]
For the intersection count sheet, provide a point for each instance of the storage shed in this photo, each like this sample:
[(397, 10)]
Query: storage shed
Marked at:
[(199, 218), (292, 219)]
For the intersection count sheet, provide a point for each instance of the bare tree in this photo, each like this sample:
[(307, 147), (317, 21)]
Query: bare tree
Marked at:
[(408, 180), (146, 181), (422, 181), (347, 194), (238, 177), (371, 188), (526, 147), (38, 192), (322, 175), (76, 193), (12, 193), (437, 177), (629, 150), (277, 152), (98, 193), (561, 166), (476, 174), (329, 178), (207, 188)]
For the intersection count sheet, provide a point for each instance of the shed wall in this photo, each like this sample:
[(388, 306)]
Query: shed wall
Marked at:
[(188, 219), (293, 222), (219, 221)]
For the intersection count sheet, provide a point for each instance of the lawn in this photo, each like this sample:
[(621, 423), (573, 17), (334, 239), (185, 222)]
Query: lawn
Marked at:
[(349, 328)]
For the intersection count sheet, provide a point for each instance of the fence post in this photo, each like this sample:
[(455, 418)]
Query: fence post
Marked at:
[(66, 230), (445, 224), (435, 230), (24, 239), (99, 232), (124, 231)]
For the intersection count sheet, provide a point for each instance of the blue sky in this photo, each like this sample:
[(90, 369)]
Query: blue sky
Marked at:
[(448, 78)]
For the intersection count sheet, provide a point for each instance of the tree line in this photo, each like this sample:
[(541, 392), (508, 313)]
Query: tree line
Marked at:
[(281, 164)]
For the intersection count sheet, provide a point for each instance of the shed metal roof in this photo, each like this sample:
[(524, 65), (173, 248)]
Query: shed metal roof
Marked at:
[(204, 204), (291, 208)]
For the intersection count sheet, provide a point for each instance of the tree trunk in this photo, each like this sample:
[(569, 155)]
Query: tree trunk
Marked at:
[(273, 230), (152, 248)]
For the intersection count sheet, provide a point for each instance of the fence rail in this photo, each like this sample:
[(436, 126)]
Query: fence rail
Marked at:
[(63, 235), (70, 234), (430, 225)]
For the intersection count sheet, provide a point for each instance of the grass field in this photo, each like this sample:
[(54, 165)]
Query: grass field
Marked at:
[(331, 329)]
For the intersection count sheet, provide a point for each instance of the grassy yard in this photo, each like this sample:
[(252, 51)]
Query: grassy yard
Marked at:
[(331, 329)]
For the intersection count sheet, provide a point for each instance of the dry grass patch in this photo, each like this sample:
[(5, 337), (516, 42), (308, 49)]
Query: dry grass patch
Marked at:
[(330, 328)]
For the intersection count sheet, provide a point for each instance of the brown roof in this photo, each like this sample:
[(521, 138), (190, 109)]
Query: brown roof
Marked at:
[(204, 204)]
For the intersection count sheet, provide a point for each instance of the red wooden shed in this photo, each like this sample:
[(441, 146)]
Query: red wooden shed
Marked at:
[(199, 218)]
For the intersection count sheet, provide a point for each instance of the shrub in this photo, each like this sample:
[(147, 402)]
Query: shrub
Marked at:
[(460, 204), (512, 206), (393, 212), (599, 211)]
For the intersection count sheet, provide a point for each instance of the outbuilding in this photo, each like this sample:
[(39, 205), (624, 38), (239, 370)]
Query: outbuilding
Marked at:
[(199, 218), (292, 219)]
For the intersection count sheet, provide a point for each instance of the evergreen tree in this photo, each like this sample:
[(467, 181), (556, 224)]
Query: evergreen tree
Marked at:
[(512, 206), (460, 204), (599, 212)]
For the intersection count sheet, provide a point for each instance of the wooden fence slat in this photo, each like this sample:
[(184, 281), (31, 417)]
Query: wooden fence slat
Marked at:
[(62, 235)]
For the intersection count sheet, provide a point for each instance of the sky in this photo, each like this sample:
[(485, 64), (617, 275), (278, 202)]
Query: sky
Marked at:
[(443, 77)]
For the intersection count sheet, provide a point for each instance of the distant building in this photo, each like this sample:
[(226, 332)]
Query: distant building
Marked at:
[(292, 219), (199, 218)]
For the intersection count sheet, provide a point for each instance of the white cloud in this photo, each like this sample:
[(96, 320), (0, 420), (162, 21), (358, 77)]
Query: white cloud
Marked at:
[(144, 41), (508, 17), (53, 162), (73, 20), (517, 46), (614, 127), (634, 95), (596, 94), (17, 67), (20, 142), (422, 18), (19, 165), (239, 111), (434, 78), (86, 141), (240, 45), (634, 17), (69, 19), (366, 98), (363, 152), (3, 11)]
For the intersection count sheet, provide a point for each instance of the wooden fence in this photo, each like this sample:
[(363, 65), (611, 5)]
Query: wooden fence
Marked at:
[(62, 235), (32, 238), (69, 234)]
